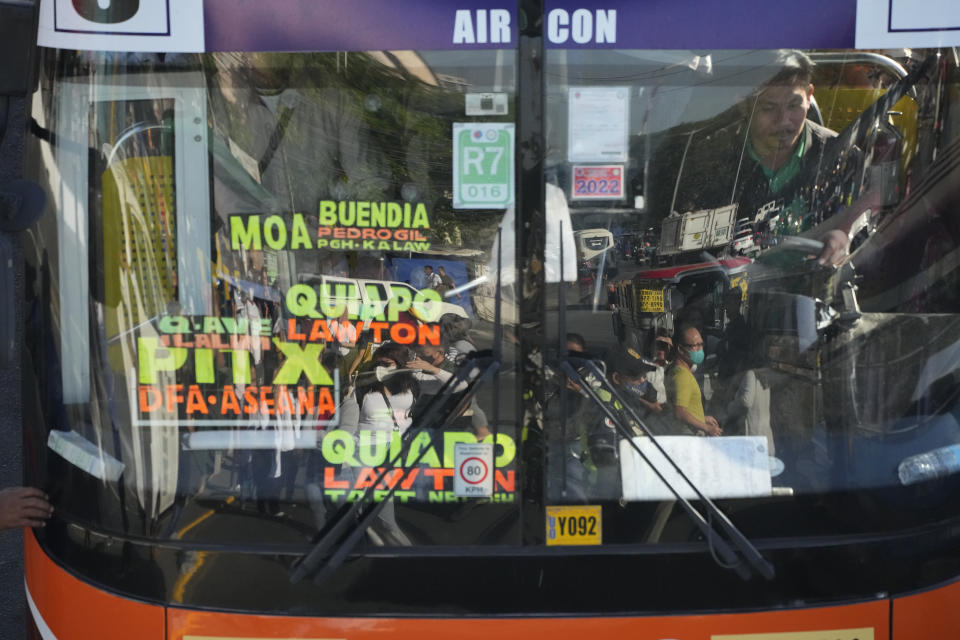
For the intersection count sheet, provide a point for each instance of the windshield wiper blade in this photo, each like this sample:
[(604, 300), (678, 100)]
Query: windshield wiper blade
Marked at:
[(744, 549), (352, 522)]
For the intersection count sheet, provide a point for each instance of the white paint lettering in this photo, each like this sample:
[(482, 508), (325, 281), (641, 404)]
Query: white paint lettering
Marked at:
[(472, 156), (500, 26), (582, 26), (606, 25), (481, 26), (557, 22), (463, 27)]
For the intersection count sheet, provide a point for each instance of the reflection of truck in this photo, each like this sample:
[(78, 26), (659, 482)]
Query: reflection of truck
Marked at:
[(697, 230)]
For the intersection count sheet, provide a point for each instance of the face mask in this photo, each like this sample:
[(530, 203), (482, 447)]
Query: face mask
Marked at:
[(637, 389), (696, 357), (384, 372)]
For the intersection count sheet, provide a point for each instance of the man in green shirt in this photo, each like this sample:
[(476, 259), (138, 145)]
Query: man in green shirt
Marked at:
[(775, 155)]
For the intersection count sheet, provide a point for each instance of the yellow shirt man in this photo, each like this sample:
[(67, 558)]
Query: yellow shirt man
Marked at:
[(682, 388), (684, 391)]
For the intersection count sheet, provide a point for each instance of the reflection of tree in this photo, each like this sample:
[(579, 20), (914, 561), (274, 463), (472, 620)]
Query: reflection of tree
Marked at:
[(351, 126)]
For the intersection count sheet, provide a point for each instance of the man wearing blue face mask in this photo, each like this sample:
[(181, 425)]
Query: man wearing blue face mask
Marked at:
[(683, 391)]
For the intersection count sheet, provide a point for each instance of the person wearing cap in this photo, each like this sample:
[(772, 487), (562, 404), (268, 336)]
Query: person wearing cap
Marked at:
[(599, 434), (683, 391), (629, 372)]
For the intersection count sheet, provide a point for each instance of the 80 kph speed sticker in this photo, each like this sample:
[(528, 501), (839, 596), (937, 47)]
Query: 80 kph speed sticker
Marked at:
[(473, 470)]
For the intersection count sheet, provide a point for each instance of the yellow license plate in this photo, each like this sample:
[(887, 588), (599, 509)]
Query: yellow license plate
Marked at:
[(574, 525)]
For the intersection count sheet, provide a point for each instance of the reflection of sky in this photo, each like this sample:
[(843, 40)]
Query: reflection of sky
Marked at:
[(482, 70), (672, 87), (410, 270)]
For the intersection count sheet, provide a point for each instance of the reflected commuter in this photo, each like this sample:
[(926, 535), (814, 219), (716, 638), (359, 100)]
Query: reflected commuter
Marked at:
[(683, 391)]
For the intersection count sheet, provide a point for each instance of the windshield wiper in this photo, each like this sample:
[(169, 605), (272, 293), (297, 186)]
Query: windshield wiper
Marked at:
[(731, 557), (350, 524)]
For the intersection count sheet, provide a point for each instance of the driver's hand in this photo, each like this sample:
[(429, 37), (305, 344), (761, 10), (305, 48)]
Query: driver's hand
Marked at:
[(23, 507), (835, 243)]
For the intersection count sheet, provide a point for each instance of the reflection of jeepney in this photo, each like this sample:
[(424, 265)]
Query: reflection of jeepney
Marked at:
[(657, 298)]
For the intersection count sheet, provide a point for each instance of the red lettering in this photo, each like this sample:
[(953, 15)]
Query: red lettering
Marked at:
[(438, 475), (378, 328), (428, 334), (266, 400), (229, 401), (390, 478), (325, 402), (366, 479), (403, 333), (150, 399), (506, 482), (284, 402), (305, 400), (292, 332), (195, 401), (330, 482), (320, 332), (174, 396), (411, 476), (178, 341), (250, 398)]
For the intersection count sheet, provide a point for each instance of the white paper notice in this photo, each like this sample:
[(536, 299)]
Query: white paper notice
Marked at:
[(122, 25), (598, 122), (727, 467), (907, 23)]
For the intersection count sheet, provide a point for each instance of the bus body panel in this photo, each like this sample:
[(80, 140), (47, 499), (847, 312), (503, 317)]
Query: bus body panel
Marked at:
[(73, 609)]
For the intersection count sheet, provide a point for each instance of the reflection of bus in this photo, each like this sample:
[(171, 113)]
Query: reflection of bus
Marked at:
[(216, 476)]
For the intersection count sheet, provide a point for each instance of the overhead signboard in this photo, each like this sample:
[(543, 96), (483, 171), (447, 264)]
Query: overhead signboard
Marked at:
[(363, 25)]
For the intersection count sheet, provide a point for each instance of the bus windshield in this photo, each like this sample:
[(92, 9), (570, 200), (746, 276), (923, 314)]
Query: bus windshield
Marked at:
[(753, 201), (276, 284), (266, 281)]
